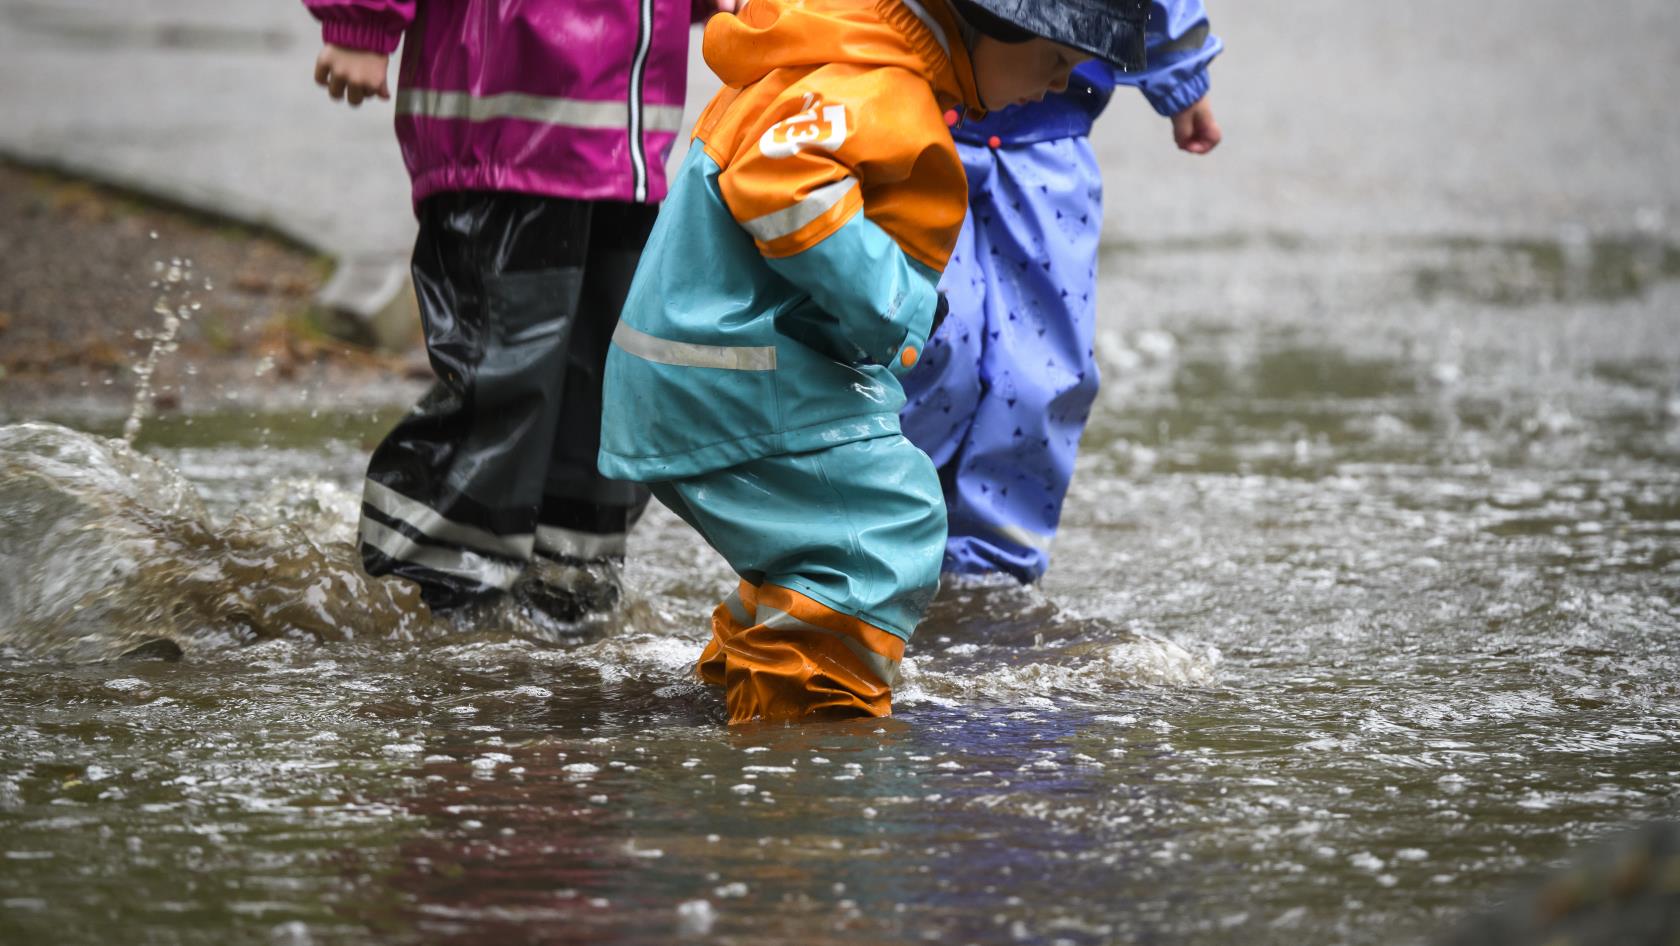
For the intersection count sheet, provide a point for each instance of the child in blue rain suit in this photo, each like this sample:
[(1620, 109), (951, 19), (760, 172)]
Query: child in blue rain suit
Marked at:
[(1000, 397)]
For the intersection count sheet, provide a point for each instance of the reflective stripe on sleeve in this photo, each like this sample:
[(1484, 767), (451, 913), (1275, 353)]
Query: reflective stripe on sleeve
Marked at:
[(789, 220), (690, 355), (1192, 41)]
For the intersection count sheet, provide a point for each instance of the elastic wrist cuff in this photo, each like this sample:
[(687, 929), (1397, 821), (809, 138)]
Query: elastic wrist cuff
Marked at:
[(1183, 95), (360, 36)]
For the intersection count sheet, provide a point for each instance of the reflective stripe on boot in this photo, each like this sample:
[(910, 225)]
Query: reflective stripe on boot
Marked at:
[(730, 619), (800, 659)]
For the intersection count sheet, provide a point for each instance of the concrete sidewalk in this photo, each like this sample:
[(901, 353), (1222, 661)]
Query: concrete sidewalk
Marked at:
[(212, 105), (1497, 119), (1508, 117), (206, 103)]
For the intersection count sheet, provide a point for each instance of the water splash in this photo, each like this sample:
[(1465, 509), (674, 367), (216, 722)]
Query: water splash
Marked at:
[(108, 552), (175, 306)]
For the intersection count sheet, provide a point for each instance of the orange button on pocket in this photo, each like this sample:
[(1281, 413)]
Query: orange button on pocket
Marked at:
[(907, 357)]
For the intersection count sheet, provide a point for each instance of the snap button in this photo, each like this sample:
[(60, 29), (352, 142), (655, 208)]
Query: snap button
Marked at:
[(907, 357)]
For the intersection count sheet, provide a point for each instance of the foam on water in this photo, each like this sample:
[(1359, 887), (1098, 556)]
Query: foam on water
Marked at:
[(645, 656), (1092, 672), (994, 640)]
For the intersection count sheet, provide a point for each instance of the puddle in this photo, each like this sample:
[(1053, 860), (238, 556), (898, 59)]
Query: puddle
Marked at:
[(1366, 608)]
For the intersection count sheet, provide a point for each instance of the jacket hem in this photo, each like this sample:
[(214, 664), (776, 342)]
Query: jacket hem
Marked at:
[(576, 184), (658, 468)]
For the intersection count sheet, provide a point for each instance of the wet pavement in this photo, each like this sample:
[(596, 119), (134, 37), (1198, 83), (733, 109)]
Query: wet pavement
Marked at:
[(1367, 605)]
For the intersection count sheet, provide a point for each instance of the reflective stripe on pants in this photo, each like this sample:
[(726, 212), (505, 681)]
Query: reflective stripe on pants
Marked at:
[(519, 295)]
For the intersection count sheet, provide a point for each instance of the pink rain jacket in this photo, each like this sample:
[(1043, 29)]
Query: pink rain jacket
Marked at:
[(566, 98)]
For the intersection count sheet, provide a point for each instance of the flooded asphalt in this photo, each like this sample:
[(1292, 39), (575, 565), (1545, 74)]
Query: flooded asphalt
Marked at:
[(1366, 608)]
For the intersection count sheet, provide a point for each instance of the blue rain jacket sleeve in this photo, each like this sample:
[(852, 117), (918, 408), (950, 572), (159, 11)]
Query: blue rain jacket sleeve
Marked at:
[(1180, 43)]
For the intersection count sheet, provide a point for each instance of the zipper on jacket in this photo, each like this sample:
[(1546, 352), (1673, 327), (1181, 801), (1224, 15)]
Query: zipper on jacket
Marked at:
[(638, 152)]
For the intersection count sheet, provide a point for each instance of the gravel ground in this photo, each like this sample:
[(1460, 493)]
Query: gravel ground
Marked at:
[(89, 277)]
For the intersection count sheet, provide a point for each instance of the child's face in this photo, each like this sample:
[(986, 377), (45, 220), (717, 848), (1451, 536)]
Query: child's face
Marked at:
[(1016, 73)]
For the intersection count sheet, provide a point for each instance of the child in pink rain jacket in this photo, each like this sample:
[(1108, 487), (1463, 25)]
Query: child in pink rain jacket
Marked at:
[(536, 135)]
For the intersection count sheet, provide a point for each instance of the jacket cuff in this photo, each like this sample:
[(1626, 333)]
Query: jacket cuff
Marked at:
[(361, 36), (1177, 98), (920, 326)]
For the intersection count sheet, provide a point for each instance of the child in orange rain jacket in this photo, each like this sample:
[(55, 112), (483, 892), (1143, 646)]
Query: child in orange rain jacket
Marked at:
[(753, 380)]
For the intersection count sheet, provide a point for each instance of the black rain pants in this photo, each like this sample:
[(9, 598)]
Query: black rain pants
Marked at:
[(519, 295)]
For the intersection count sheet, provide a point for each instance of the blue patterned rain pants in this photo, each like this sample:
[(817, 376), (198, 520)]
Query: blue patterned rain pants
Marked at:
[(1003, 391)]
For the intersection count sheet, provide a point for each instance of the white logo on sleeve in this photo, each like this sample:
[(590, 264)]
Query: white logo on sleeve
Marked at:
[(816, 125)]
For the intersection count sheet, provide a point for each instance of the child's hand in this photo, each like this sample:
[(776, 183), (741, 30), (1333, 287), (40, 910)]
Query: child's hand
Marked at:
[(1195, 130), (352, 72)]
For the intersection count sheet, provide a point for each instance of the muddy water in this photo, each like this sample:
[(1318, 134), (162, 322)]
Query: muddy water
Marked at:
[(1367, 607)]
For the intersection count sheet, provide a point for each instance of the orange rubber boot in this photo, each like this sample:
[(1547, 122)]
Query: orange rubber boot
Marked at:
[(802, 660), (732, 616)]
